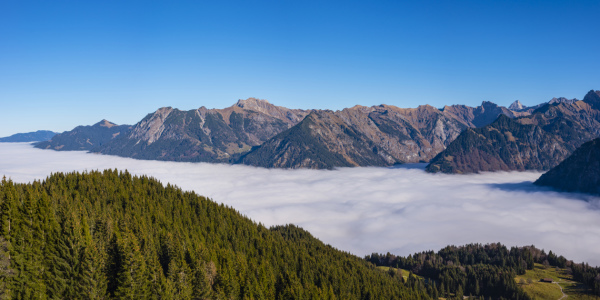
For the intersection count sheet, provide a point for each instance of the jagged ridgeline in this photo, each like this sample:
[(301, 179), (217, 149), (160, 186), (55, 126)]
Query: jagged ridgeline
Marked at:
[(108, 234), (538, 141)]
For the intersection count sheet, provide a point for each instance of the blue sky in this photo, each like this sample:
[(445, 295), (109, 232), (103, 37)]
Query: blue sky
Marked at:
[(69, 63)]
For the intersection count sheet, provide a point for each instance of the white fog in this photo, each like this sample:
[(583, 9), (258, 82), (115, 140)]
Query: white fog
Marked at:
[(365, 210)]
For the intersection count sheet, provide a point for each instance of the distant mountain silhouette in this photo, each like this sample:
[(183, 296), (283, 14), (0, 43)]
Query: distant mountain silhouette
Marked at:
[(85, 137), (36, 136)]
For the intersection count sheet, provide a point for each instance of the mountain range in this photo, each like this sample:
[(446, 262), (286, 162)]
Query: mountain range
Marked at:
[(36, 136), (85, 137), (455, 139), (538, 141)]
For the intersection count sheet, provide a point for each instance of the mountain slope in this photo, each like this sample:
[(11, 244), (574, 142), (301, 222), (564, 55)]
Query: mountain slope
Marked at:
[(108, 234), (208, 135), (369, 136), (322, 140), (85, 137), (258, 133), (579, 172), (501, 146), (36, 136), (554, 131)]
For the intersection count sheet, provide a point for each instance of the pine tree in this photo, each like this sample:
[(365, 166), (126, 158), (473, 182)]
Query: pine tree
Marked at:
[(133, 279), (66, 260), (6, 272), (92, 282)]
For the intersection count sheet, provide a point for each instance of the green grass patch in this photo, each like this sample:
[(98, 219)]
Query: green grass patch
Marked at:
[(405, 273), (543, 290)]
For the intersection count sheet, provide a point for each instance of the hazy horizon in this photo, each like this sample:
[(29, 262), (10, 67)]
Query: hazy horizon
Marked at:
[(364, 210)]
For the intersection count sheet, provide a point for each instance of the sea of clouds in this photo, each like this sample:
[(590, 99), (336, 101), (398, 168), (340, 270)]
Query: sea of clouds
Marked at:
[(363, 210)]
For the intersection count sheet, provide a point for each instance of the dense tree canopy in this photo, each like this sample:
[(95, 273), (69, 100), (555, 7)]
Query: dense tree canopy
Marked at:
[(102, 235), (108, 234)]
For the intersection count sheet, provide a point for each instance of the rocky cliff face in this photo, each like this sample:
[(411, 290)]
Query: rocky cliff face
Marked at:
[(517, 105), (593, 99), (503, 145), (536, 142), (580, 172), (481, 115), (209, 135), (321, 141), (289, 116), (85, 137), (255, 132), (369, 136)]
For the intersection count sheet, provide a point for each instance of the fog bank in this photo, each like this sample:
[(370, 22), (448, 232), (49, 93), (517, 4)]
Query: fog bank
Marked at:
[(365, 210)]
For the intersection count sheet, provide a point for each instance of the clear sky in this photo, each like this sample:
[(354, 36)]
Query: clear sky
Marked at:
[(69, 63)]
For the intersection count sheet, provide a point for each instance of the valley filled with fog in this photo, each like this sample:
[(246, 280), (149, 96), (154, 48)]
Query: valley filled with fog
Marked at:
[(363, 210)]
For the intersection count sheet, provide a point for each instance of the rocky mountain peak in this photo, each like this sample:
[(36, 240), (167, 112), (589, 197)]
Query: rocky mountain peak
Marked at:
[(360, 108), (290, 116), (561, 100), (517, 105), (592, 98), (105, 123), (254, 104)]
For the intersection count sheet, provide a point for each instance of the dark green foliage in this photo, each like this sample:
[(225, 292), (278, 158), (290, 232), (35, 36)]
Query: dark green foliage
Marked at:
[(484, 270), (6, 272), (472, 269), (103, 235)]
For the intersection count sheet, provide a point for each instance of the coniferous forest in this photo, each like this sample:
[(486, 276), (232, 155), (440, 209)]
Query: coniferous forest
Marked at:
[(102, 235), (111, 235)]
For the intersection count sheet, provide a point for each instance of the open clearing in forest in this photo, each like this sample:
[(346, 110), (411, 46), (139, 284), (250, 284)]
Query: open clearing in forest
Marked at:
[(546, 290)]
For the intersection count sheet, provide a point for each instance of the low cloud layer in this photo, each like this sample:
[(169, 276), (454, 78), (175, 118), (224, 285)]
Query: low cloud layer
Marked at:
[(365, 210)]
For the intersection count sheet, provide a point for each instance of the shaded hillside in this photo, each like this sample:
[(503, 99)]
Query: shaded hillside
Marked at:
[(207, 135), (107, 234), (85, 137), (536, 142), (501, 146), (579, 172), (36, 136), (369, 136), (322, 140)]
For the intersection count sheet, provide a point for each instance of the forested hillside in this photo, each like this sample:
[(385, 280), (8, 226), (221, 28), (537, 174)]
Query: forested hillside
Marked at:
[(108, 234), (485, 270)]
